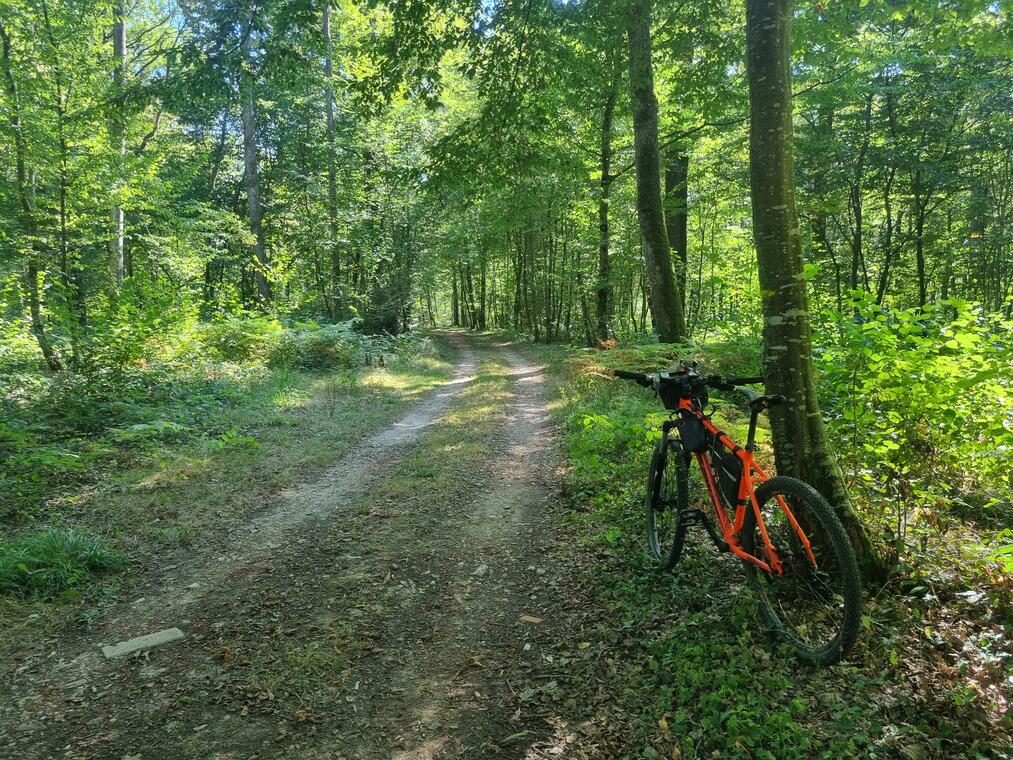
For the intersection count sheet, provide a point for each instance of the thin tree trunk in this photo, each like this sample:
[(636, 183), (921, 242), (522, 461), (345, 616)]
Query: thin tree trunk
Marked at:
[(518, 274), (603, 305), (481, 291), (332, 167), (666, 310), (249, 95), (27, 203), (890, 226), (470, 298), (800, 441), (855, 196), (117, 128), (921, 206), (677, 218), (455, 302)]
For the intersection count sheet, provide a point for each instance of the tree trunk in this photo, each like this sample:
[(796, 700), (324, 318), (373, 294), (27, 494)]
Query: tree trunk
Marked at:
[(249, 95), (855, 197), (332, 167), (800, 442), (27, 204), (469, 285), (920, 209), (665, 307), (518, 272), (481, 297), (677, 219), (117, 129), (455, 302), (603, 306)]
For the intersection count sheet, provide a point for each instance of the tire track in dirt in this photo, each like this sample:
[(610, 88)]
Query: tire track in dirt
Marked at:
[(458, 657), (394, 632), (73, 670)]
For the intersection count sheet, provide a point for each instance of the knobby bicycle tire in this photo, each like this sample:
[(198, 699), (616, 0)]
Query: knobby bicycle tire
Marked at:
[(666, 502), (815, 611)]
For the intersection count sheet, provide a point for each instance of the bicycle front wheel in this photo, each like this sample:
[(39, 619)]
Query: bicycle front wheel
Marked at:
[(814, 605), (667, 498)]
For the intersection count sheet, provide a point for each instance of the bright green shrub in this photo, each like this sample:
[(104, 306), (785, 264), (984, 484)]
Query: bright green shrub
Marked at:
[(239, 339), (330, 347), (52, 562), (921, 407), (19, 352)]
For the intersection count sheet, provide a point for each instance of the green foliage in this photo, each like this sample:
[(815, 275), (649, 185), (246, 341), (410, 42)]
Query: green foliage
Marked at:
[(681, 659), (53, 562), (920, 405), (55, 433), (318, 348), (239, 339)]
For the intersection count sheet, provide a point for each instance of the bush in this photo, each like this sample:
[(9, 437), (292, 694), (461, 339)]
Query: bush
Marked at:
[(331, 347), (53, 562), (920, 403), (240, 339), (18, 350)]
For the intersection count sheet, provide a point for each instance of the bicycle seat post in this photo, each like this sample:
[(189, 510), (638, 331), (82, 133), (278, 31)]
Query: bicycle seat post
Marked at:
[(756, 405), (754, 416)]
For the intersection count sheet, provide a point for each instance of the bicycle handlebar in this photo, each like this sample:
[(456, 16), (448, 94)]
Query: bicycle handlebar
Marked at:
[(714, 381), (638, 377), (750, 380)]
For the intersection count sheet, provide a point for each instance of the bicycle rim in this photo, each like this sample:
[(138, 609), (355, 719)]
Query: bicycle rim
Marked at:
[(665, 527), (813, 605)]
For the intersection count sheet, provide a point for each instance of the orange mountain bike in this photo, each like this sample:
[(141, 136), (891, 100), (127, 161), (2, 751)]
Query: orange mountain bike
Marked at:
[(798, 557)]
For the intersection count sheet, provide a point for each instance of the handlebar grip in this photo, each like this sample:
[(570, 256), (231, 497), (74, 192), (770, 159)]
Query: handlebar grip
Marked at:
[(638, 377), (743, 380)]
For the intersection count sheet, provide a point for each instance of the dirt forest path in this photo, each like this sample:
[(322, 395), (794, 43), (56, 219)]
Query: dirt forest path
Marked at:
[(399, 606)]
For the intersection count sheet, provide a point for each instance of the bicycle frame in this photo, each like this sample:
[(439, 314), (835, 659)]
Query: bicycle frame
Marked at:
[(752, 476)]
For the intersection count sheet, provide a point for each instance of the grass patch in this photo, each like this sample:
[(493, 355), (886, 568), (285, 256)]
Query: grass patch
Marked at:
[(438, 469), (167, 484), (53, 562), (152, 489), (683, 669)]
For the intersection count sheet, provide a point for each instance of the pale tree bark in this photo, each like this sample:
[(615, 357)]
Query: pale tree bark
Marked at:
[(117, 128), (603, 299), (248, 90), (800, 441), (27, 202), (669, 320), (332, 167)]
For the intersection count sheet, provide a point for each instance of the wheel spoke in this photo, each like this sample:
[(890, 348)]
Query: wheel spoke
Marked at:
[(664, 518), (806, 605)]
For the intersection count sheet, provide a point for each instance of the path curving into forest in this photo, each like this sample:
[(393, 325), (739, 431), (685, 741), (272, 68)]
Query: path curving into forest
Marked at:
[(398, 606)]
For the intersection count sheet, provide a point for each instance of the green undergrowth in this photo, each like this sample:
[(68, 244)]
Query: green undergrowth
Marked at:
[(116, 410), (217, 444), (80, 442), (53, 562), (681, 666)]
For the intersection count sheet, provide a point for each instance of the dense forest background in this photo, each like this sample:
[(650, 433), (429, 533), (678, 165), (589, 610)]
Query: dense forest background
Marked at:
[(227, 227), (273, 180), (430, 162)]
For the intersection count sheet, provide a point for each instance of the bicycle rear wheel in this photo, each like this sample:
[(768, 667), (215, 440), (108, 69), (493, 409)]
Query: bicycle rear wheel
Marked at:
[(813, 608), (667, 499)]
